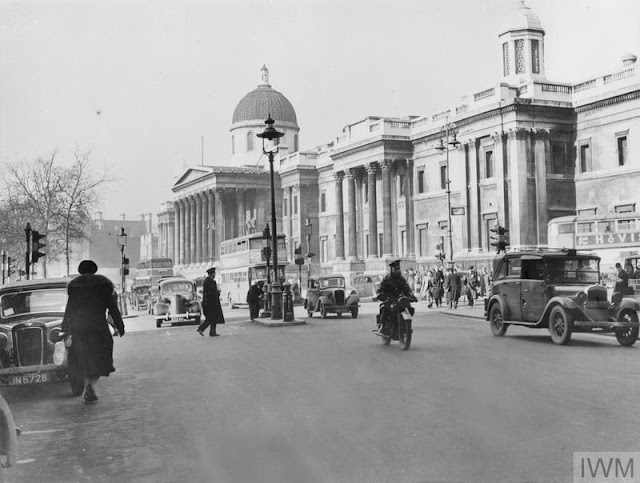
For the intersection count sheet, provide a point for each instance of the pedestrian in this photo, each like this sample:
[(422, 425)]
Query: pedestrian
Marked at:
[(453, 285), (211, 305), (254, 299), (622, 279), (90, 297), (438, 286), (472, 286)]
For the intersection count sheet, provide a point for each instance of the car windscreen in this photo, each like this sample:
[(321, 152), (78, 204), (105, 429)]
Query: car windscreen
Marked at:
[(177, 287), (33, 302), (333, 282), (579, 270)]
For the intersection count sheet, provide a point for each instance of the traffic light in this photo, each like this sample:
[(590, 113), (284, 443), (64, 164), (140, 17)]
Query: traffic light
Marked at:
[(36, 246), (298, 250), (499, 238), (125, 266), (11, 266)]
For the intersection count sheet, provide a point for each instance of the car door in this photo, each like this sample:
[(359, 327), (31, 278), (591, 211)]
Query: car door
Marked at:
[(532, 290), (510, 287)]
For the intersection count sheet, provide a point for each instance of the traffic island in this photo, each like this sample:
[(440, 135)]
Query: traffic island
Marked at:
[(279, 323)]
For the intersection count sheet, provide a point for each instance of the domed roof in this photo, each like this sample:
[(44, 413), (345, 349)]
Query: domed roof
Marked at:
[(262, 101), (522, 18)]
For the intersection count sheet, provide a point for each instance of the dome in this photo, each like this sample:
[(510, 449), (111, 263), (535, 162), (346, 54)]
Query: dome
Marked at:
[(262, 101), (522, 18)]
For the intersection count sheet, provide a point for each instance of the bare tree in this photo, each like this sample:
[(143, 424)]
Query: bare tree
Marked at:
[(56, 199)]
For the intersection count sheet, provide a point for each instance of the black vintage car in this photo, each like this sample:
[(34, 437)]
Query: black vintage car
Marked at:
[(559, 290), (31, 313)]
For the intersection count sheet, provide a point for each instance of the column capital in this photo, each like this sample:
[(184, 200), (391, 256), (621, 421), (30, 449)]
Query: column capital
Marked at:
[(540, 133), (351, 173), (371, 167), (498, 136), (338, 175), (519, 133), (386, 164)]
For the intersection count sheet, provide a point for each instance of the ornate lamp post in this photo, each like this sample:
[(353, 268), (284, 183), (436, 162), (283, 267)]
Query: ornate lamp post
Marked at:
[(122, 242), (447, 129), (270, 148), (266, 252)]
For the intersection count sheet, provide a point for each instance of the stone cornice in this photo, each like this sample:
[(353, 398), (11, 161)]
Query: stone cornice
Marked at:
[(629, 96)]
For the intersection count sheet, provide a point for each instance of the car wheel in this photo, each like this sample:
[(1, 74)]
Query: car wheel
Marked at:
[(560, 325), (496, 320), (628, 336), (158, 323), (354, 313), (323, 311)]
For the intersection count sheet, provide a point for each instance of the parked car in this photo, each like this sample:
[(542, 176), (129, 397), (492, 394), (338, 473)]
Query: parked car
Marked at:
[(559, 290), (367, 284), (141, 297), (31, 314), (177, 301), (327, 294)]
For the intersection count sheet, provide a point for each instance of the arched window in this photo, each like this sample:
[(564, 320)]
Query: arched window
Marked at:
[(249, 141), (295, 143), (233, 144)]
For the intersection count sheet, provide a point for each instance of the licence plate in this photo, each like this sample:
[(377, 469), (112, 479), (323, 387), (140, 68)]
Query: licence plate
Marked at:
[(179, 319), (29, 379)]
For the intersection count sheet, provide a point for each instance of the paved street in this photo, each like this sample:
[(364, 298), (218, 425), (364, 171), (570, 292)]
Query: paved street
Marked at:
[(326, 401)]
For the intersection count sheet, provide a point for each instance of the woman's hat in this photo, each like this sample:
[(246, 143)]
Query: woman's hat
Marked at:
[(87, 267)]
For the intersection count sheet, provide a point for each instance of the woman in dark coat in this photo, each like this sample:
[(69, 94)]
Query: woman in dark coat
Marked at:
[(254, 299), (91, 351), (211, 304)]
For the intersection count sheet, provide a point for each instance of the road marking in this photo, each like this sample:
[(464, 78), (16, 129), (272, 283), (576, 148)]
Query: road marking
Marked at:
[(42, 431)]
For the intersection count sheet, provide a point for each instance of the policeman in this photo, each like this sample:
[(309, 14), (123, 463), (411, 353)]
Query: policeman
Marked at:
[(394, 284)]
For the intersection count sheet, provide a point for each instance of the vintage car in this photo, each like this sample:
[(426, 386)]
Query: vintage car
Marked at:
[(367, 284), (141, 298), (327, 294), (31, 313), (559, 290), (176, 301)]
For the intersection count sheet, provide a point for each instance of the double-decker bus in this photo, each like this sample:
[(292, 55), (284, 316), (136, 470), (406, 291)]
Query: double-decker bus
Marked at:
[(150, 271), (242, 262), (614, 237)]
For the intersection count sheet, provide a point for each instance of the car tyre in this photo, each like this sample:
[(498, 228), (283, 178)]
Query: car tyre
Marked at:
[(560, 325), (629, 335), (496, 321), (323, 311), (158, 323)]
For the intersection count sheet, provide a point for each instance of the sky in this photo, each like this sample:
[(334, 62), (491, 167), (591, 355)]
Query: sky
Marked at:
[(150, 86)]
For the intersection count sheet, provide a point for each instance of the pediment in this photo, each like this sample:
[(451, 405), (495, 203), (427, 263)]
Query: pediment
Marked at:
[(192, 174)]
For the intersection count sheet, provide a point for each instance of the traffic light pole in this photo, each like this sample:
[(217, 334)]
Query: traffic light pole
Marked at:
[(27, 262)]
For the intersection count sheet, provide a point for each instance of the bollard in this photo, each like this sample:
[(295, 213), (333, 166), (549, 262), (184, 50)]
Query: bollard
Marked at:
[(266, 301), (287, 303)]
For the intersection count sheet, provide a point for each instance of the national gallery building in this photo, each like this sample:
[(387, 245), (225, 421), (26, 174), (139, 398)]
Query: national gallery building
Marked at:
[(520, 153)]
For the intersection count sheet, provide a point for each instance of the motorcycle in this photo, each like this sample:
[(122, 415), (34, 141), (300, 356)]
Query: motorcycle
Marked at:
[(394, 321)]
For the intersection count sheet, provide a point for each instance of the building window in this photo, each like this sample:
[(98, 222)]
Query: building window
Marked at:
[(488, 164), (519, 56), (403, 242), (443, 176), (324, 250), (295, 143), (622, 150), (626, 224), (630, 208), (249, 141), (535, 56), (489, 222), (606, 226), (295, 205), (284, 208), (233, 144), (559, 164), (423, 241), (585, 158), (380, 243), (586, 227), (401, 184), (505, 58), (421, 181), (323, 201)]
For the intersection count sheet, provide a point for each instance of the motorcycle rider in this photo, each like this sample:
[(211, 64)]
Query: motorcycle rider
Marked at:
[(394, 285)]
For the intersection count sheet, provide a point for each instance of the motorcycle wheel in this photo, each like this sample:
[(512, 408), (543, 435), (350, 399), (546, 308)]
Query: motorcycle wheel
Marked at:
[(404, 333)]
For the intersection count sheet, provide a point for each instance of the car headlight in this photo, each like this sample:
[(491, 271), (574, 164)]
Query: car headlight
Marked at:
[(582, 297), (54, 334)]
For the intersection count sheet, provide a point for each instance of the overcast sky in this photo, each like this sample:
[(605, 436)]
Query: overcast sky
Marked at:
[(141, 82)]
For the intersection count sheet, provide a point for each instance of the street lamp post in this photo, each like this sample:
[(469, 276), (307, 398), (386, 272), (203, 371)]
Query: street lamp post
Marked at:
[(444, 146), (122, 242), (308, 227), (273, 136), (266, 251)]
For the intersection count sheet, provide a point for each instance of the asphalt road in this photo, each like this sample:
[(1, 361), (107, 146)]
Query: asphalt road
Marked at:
[(327, 402)]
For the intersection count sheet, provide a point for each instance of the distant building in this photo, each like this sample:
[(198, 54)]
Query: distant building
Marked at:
[(530, 150)]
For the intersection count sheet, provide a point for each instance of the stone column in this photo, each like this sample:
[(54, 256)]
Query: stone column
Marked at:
[(192, 229), (373, 210), (204, 242), (542, 154), (183, 231), (408, 211), (522, 212), (387, 230), (339, 216), (240, 198), (198, 230), (219, 223), (211, 227), (352, 252), (499, 140)]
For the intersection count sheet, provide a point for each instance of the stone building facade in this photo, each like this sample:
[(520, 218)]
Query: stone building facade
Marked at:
[(519, 153)]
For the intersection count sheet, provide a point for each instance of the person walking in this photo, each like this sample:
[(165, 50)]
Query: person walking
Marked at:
[(211, 305), (622, 279), (438, 286), (254, 299), (91, 353)]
